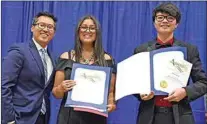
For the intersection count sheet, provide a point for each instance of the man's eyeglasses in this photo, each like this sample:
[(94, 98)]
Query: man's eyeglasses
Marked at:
[(85, 28), (160, 18), (43, 26)]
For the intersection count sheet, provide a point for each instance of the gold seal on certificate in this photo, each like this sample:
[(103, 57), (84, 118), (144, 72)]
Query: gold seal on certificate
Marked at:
[(163, 84)]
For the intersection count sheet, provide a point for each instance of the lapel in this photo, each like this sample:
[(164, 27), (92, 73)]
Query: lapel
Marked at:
[(51, 57), (177, 43), (53, 64), (36, 56), (151, 45)]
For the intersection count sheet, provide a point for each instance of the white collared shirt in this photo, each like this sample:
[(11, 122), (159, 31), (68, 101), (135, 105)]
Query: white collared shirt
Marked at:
[(48, 60)]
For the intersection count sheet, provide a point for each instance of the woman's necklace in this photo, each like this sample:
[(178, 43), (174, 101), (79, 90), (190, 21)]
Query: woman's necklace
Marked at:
[(87, 61)]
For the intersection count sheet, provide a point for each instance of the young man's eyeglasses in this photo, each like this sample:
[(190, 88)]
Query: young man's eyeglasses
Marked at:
[(160, 18), (85, 28), (42, 25)]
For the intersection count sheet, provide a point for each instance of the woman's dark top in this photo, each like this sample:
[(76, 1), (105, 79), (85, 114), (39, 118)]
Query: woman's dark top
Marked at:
[(66, 114)]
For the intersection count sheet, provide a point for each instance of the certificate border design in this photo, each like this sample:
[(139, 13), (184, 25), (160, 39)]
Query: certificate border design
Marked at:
[(103, 106)]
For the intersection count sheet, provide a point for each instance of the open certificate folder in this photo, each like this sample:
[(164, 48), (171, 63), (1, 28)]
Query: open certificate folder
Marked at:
[(90, 93), (160, 71)]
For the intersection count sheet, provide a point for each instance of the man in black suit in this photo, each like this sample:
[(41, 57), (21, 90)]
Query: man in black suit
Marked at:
[(175, 108)]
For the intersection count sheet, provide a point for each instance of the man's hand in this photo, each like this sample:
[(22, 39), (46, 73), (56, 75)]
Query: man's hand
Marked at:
[(147, 96), (176, 95)]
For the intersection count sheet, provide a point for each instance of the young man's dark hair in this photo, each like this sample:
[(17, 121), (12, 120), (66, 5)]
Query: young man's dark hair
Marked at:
[(167, 8)]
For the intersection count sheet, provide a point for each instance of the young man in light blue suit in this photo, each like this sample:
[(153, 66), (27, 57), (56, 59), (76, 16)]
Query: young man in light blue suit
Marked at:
[(26, 75)]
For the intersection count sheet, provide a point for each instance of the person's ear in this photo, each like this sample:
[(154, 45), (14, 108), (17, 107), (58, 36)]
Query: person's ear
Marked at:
[(154, 23), (32, 28), (176, 25)]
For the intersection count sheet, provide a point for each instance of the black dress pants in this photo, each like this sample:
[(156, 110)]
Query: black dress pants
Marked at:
[(163, 115), (41, 119)]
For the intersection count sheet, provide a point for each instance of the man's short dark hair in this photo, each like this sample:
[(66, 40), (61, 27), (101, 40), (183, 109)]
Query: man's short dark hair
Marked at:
[(47, 14), (168, 8)]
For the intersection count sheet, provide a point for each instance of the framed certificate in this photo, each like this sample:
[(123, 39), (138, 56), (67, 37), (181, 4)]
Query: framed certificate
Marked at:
[(91, 89), (150, 71), (159, 60)]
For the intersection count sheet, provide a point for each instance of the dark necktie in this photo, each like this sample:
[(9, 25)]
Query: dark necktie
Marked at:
[(158, 45)]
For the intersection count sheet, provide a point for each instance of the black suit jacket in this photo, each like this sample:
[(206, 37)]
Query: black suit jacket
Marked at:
[(181, 110)]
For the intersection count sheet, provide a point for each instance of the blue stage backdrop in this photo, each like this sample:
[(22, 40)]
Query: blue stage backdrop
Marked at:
[(125, 25)]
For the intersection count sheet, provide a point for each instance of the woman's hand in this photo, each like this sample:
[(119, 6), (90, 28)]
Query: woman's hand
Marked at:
[(67, 85)]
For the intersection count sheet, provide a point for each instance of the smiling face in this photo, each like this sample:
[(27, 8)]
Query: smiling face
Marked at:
[(164, 23), (44, 30), (87, 31)]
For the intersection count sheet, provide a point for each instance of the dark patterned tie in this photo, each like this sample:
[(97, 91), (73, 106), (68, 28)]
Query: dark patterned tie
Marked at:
[(43, 56), (43, 51)]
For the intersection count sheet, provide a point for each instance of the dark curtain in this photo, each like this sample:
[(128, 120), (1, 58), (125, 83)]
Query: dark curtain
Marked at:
[(125, 25)]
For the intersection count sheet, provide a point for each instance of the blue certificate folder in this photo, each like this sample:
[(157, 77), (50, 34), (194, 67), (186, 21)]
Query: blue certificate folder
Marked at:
[(70, 102), (152, 53)]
